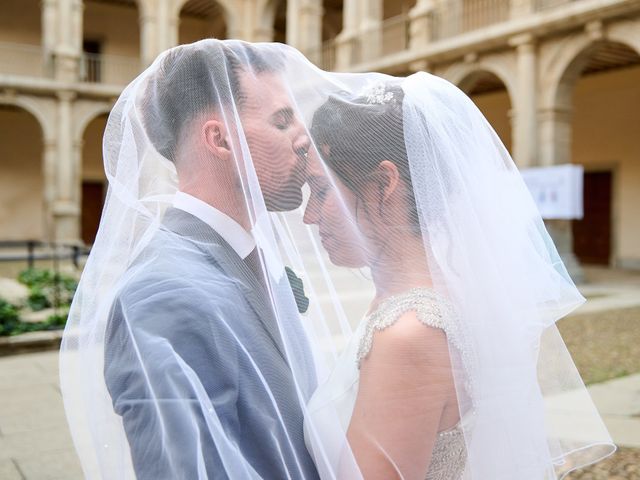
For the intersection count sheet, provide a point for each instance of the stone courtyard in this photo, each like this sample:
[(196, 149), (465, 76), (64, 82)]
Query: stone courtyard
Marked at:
[(35, 443)]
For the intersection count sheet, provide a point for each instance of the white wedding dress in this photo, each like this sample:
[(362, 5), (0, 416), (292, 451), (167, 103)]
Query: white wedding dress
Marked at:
[(331, 405)]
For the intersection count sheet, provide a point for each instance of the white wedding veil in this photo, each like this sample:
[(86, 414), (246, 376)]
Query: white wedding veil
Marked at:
[(247, 232)]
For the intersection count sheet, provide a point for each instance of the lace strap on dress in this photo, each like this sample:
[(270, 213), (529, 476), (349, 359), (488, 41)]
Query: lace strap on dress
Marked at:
[(430, 307)]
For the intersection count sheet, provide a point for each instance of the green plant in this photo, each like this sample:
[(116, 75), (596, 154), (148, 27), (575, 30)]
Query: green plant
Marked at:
[(56, 321), (37, 299), (47, 288), (9, 317)]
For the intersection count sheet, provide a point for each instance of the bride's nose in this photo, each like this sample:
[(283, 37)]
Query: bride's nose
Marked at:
[(311, 214), (301, 143)]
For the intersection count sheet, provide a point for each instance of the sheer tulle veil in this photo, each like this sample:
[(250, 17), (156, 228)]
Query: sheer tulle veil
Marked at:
[(214, 348)]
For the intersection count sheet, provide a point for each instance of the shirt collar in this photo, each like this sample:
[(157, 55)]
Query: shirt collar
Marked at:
[(231, 231), (241, 241)]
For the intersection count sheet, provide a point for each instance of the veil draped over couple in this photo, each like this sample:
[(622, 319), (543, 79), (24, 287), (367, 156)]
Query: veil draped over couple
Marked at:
[(310, 275)]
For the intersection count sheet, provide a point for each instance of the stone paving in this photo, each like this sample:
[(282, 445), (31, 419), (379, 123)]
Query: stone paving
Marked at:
[(35, 443), (34, 439)]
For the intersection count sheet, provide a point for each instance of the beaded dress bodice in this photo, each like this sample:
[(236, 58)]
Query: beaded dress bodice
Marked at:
[(449, 453)]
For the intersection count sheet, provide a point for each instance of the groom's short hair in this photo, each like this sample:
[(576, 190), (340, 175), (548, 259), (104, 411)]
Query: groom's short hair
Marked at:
[(197, 78)]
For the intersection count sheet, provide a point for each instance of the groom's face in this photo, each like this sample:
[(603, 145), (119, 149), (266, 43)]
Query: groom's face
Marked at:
[(276, 138)]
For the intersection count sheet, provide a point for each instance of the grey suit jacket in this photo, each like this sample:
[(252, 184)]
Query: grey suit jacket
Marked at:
[(189, 298)]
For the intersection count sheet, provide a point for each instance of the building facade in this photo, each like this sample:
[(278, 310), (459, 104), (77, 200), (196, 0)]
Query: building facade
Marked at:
[(559, 80)]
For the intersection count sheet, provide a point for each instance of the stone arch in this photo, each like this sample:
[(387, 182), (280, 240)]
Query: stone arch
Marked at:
[(563, 66), (85, 115), (590, 103), (226, 5), (23, 182), (626, 32), (332, 19), (268, 16), (462, 75), (492, 94), (46, 123), (224, 28)]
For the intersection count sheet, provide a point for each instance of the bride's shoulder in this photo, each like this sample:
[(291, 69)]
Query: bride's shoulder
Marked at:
[(415, 323), (410, 339)]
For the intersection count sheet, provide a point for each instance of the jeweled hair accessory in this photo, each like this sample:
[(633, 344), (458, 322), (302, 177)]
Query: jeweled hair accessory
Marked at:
[(377, 94)]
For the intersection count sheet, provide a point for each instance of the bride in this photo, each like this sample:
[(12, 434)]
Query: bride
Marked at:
[(439, 380)]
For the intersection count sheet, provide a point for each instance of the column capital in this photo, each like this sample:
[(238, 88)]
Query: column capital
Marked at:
[(419, 66), (556, 113), (595, 30), (471, 57), (147, 16), (65, 208), (522, 40), (66, 95), (8, 94), (422, 8), (310, 9)]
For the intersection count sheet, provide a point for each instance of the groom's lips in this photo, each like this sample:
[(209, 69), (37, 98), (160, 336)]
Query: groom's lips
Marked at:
[(324, 238)]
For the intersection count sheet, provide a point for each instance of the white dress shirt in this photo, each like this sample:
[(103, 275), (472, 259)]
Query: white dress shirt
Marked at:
[(242, 242)]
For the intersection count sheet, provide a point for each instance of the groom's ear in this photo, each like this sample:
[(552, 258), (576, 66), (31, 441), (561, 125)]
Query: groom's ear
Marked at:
[(215, 136)]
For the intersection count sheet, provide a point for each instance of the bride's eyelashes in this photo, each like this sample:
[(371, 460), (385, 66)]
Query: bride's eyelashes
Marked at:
[(321, 193)]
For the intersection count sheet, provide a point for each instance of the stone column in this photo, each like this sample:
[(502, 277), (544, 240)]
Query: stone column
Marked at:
[(168, 26), (524, 127), (49, 156), (555, 149), (555, 135), (371, 33), (244, 22), (521, 8), (49, 34), (66, 204), (148, 23), (422, 22), (159, 22), (346, 40), (304, 27), (361, 36), (68, 49)]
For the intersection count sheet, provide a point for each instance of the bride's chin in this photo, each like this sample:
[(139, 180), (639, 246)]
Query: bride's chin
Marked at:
[(346, 261)]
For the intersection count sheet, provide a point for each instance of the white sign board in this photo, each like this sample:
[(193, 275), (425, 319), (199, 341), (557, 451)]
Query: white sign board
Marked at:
[(557, 190)]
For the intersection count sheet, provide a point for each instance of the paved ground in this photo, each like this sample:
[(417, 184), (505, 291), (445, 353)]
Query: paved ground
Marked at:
[(35, 444), (34, 440)]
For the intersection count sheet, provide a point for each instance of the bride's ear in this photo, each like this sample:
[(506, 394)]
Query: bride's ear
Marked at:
[(215, 136), (389, 178)]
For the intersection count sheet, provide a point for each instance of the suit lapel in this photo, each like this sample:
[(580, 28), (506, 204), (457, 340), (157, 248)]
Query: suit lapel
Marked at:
[(221, 253)]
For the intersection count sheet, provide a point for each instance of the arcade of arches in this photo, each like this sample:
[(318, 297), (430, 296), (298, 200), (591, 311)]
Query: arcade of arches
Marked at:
[(573, 97)]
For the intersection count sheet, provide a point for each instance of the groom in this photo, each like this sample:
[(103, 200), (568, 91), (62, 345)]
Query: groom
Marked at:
[(195, 357)]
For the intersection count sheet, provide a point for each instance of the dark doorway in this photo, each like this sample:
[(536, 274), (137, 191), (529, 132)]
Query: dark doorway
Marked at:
[(92, 67), (92, 203), (592, 234)]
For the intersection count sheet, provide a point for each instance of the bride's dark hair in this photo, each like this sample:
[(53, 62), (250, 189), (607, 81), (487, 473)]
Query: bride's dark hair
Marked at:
[(354, 135)]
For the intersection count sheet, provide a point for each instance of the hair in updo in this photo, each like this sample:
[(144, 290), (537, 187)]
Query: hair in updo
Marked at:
[(355, 134)]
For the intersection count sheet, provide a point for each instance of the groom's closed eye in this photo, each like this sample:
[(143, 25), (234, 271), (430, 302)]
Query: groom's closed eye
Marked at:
[(283, 118)]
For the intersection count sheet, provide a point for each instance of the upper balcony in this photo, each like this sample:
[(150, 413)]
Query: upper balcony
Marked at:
[(444, 24), (100, 45)]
